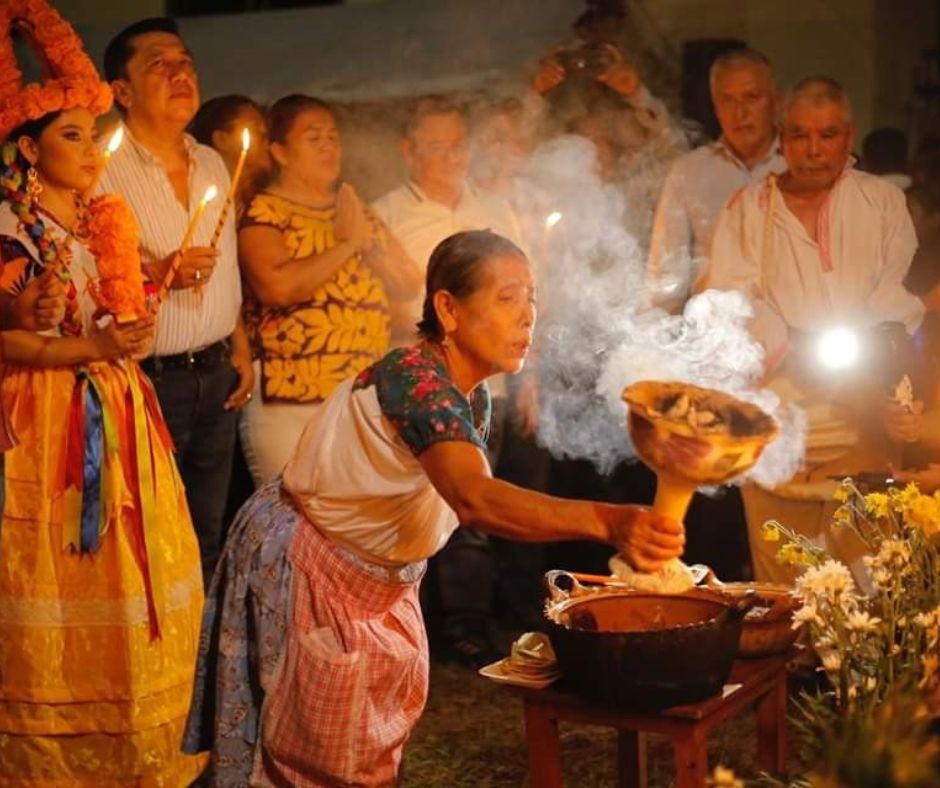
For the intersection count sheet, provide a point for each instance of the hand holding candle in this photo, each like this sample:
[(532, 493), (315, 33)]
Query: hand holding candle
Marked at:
[(208, 197), (233, 186)]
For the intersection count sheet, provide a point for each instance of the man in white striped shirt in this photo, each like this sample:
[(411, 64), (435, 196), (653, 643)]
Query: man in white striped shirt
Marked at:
[(201, 367)]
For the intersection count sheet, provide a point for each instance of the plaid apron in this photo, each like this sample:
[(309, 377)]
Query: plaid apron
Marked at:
[(354, 678)]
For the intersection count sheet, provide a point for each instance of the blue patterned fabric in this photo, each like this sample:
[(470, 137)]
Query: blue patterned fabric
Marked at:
[(238, 652), (417, 395)]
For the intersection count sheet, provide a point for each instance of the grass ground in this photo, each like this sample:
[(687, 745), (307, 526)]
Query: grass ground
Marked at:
[(472, 735)]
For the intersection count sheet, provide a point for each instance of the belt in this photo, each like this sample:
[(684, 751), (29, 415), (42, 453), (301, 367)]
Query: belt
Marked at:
[(208, 358)]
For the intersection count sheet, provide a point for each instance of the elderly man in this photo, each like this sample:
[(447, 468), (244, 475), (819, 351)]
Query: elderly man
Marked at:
[(437, 201), (821, 245), (201, 367), (701, 182)]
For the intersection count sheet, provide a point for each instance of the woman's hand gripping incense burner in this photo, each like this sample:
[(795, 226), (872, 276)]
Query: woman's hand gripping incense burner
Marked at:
[(691, 436)]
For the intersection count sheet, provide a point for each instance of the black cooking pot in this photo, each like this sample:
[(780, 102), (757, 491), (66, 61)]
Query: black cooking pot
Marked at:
[(641, 650)]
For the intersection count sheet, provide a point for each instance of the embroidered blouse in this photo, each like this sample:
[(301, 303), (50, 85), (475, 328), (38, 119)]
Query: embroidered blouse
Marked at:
[(307, 349), (355, 472)]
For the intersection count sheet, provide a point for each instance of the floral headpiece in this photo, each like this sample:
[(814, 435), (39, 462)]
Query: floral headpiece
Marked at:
[(72, 80)]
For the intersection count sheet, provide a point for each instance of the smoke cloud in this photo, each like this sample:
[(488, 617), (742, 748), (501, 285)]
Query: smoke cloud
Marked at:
[(596, 332)]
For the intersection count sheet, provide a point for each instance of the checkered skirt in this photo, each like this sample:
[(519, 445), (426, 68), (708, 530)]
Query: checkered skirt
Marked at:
[(354, 678)]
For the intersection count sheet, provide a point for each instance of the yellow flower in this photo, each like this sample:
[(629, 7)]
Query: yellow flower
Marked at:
[(769, 533), (923, 513), (877, 504), (904, 498), (793, 555), (844, 491), (842, 516)]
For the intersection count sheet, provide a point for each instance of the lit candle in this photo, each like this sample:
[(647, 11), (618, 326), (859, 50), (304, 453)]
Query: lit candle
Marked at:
[(113, 144), (230, 198), (208, 197)]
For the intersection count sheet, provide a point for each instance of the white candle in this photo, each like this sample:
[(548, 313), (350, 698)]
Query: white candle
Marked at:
[(208, 197), (230, 197)]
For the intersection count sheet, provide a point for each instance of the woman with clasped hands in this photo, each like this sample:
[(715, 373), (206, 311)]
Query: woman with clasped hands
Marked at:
[(318, 266)]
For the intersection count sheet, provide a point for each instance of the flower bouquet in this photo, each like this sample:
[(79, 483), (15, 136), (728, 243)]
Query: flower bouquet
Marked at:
[(871, 721)]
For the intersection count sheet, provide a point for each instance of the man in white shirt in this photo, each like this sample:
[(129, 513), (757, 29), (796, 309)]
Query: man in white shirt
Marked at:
[(201, 367), (701, 182), (437, 201), (821, 245)]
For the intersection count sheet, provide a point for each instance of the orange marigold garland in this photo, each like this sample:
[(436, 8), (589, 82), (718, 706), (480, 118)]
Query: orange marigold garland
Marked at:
[(112, 239), (75, 81)]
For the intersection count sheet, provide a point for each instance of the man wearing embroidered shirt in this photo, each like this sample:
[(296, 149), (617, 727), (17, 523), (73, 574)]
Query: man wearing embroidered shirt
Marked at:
[(821, 245), (201, 367), (700, 182)]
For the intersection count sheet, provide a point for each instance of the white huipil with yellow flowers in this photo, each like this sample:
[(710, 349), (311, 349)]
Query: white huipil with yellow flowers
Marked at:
[(304, 351)]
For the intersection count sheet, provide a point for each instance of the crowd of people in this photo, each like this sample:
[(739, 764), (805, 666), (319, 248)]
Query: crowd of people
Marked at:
[(343, 346)]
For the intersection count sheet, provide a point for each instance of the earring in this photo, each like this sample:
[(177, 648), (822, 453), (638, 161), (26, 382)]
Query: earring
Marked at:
[(33, 186), (445, 342)]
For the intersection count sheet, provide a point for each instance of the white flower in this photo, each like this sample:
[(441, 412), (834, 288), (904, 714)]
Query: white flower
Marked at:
[(860, 621), (831, 661), (880, 578), (831, 580), (808, 614), (925, 620)]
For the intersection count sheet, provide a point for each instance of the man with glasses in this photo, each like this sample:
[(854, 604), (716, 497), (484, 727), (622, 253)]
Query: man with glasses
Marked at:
[(437, 201)]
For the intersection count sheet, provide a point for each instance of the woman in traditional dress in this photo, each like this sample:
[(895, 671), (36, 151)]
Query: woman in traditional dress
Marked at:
[(314, 607), (100, 583), (317, 264)]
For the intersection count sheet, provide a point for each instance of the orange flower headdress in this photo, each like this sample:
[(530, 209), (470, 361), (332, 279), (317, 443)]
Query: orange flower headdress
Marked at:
[(72, 80)]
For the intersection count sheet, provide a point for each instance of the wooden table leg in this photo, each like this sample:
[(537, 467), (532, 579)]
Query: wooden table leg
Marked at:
[(541, 732), (691, 758), (772, 728), (631, 759)]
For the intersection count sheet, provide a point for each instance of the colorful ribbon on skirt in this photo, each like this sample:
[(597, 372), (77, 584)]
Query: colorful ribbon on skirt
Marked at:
[(92, 447)]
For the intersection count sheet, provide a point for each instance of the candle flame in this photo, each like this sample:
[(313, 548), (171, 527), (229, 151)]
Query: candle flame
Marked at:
[(246, 139), (552, 219), (210, 194), (115, 142)]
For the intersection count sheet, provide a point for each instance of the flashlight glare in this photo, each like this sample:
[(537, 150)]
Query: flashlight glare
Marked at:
[(838, 348)]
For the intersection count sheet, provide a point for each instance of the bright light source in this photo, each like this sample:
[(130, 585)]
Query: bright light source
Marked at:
[(552, 219), (246, 139), (838, 348), (115, 142), (210, 194)]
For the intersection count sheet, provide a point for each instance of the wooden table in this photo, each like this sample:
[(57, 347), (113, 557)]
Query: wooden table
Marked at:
[(763, 682)]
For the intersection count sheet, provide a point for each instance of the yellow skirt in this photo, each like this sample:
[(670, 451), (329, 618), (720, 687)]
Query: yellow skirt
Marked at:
[(97, 649)]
